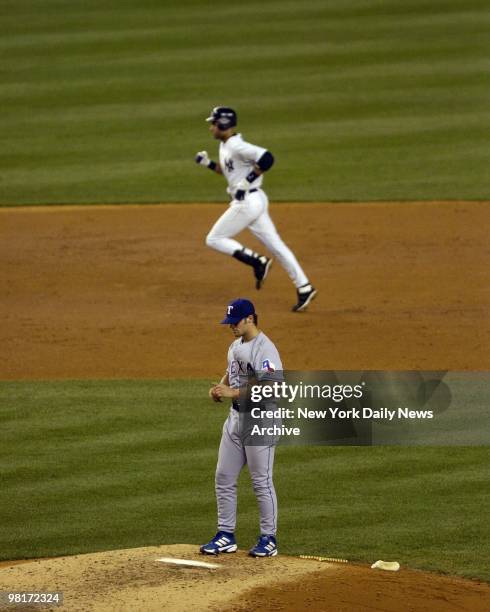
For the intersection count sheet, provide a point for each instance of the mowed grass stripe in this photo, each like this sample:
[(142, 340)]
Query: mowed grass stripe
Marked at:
[(99, 465), (105, 109), (313, 17), (96, 458), (419, 506)]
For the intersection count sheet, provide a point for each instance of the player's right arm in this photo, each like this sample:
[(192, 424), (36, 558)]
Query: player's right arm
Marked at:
[(223, 389), (214, 393), (202, 158)]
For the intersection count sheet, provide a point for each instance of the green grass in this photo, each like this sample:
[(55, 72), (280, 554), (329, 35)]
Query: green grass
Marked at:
[(90, 466), (105, 101)]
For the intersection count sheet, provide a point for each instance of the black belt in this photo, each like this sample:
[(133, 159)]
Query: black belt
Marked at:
[(236, 406)]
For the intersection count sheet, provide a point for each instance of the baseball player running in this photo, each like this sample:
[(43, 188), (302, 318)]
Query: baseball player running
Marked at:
[(252, 353), (243, 165)]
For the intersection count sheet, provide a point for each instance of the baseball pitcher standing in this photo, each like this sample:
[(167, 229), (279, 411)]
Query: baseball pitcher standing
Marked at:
[(252, 353), (243, 165)]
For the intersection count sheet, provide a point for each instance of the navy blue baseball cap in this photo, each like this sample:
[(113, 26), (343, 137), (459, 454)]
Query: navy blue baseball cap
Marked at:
[(238, 310)]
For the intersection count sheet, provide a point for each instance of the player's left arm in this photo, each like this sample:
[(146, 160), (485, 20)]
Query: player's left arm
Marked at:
[(263, 164), (267, 362)]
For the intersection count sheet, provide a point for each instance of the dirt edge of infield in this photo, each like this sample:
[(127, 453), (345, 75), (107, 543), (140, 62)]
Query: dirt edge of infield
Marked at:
[(129, 578)]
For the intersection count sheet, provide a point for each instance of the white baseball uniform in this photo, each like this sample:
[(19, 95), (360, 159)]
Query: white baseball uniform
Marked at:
[(237, 159)]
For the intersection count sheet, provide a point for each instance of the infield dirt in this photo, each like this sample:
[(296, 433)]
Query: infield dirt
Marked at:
[(132, 292), (134, 580)]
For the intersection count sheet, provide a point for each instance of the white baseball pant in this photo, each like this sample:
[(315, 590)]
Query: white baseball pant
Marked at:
[(253, 213)]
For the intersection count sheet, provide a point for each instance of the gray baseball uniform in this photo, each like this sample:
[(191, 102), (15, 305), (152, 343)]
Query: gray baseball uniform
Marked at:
[(260, 358)]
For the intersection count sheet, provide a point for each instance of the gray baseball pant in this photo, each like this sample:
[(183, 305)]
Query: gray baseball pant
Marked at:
[(232, 457)]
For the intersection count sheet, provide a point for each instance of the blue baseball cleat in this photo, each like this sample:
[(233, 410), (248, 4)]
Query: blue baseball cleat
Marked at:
[(223, 542), (265, 547)]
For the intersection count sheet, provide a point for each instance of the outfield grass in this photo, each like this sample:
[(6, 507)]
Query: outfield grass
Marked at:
[(105, 101), (90, 466)]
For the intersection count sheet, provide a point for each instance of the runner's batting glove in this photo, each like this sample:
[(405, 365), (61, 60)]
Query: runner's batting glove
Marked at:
[(242, 188), (202, 158)]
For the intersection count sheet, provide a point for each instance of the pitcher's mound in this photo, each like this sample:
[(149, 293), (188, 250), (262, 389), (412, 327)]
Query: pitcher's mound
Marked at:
[(134, 579)]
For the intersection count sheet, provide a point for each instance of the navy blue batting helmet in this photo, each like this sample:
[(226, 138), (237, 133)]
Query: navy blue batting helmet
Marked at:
[(223, 117)]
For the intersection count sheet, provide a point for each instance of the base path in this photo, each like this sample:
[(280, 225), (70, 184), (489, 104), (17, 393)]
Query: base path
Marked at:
[(133, 292), (134, 580)]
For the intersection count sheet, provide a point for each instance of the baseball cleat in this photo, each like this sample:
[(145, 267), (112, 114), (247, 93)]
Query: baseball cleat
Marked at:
[(223, 542), (305, 295), (262, 270), (266, 547)]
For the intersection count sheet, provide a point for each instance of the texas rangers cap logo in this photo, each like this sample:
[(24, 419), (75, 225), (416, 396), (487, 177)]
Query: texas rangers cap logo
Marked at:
[(237, 310)]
